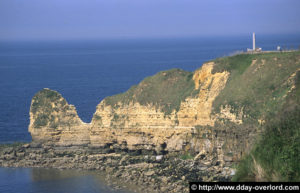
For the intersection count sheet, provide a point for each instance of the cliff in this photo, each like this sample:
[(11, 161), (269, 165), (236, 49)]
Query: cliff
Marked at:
[(54, 121), (218, 110)]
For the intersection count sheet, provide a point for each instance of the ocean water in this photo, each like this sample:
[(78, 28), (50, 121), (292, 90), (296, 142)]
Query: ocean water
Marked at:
[(39, 180), (85, 72)]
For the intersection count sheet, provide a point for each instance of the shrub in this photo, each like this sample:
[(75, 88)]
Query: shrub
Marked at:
[(277, 152)]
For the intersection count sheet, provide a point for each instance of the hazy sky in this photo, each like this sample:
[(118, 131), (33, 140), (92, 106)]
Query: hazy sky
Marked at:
[(89, 19)]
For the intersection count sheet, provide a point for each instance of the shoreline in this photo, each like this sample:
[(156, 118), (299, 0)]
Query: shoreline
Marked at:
[(152, 173)]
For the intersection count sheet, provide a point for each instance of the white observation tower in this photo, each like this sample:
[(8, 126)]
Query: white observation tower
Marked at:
[(254, 49)]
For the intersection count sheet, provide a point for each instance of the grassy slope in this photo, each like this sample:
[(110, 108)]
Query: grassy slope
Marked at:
[(277, 152), (259, 88), (164, 90), (262, 89)]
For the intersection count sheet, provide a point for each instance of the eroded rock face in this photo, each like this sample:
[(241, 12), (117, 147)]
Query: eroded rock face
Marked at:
[(131, 125), (136, 126), (54, 121)]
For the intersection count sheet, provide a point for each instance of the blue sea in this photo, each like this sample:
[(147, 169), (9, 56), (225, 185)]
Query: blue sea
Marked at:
[(85, 72), (40, 180)]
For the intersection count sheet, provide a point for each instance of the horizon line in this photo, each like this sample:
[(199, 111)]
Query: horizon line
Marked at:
[(143, 37)]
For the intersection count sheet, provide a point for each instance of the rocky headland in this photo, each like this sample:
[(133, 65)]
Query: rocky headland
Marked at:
[(172, 128)]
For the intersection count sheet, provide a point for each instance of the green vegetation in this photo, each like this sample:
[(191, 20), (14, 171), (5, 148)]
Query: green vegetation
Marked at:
[(43, 99), (42, 107), (41, 120), (258, 83), (276, 155), (262, 85), (165, 90), (186, 156), (237, 64)]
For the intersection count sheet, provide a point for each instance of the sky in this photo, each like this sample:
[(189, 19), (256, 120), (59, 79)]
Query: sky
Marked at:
[(115, 19)]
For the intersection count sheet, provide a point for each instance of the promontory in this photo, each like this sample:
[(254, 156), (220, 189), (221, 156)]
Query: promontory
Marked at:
[(234, 118)]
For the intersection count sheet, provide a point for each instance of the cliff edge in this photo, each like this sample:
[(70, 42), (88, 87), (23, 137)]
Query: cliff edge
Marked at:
[(218, 110)]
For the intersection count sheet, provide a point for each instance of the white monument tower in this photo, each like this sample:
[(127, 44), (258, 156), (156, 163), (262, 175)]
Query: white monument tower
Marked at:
[(253, 37)]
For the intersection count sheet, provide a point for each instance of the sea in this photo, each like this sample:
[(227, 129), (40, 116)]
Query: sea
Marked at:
[(42, 180), (87, 71)]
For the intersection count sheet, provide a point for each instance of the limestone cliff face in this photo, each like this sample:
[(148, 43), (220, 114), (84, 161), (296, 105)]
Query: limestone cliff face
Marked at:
[(198, 110), (130, 125), (54, 121), (218, 109), (135, 126)]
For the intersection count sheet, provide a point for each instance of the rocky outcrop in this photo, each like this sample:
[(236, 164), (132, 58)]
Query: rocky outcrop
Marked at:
[(176, 111), (54, 121), (130, 125)]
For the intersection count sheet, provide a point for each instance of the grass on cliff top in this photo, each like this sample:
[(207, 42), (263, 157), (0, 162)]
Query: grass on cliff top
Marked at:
[(276, 156), (43, 98), (165, 90), (260, 88), (41, 107)]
